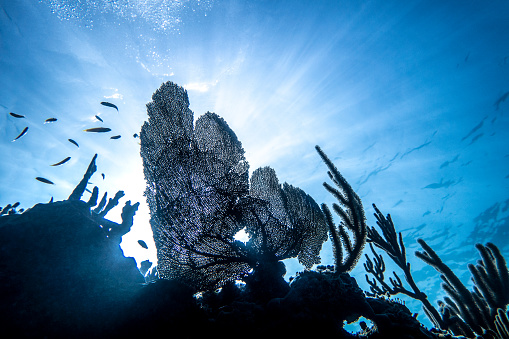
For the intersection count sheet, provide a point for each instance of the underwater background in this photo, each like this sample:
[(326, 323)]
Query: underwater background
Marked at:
[(410, 100)]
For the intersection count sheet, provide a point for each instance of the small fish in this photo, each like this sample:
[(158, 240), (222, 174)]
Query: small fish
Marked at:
[(62, 162), (135, 135), (143, 244), (73, 142), (501, 100), (50, 120), (21, 134), (109, 104), (99, 118), (102, 174), (98, 129), (16, 115), (115, 137), (44, 180), (89, 191)]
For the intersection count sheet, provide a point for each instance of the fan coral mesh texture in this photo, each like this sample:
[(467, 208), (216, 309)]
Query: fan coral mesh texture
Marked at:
[(199, 196)]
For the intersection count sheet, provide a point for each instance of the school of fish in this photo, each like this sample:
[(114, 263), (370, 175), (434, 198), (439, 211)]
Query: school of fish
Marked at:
[(72, 141)]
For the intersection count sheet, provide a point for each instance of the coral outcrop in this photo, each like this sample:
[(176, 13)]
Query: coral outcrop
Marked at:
[(62, 271)]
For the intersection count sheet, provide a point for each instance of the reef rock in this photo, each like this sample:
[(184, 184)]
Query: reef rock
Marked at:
[(61, 276)]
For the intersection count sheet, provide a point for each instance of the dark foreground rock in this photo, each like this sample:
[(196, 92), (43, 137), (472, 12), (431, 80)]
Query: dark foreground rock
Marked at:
[(61, 276)]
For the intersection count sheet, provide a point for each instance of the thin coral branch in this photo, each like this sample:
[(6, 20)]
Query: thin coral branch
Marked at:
[(80, 188), (352, 218), (502, 323)]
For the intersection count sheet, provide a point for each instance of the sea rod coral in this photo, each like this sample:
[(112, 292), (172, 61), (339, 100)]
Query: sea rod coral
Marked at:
[(480, 312)]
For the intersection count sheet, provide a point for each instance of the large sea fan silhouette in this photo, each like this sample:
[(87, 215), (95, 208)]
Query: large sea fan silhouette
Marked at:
[(200, 197)]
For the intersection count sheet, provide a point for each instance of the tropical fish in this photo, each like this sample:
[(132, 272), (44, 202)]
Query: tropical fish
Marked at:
[(62, 162), (99, 118), (115, 137), (50, 120), (44, 180), (135, 135), (109, 104), (73, 142), (21, 134), (16, 115), (89, 191), (143, 244), (98, 129)]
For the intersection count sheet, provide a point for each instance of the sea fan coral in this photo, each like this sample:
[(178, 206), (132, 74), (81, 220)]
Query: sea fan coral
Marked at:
[(200, 197)]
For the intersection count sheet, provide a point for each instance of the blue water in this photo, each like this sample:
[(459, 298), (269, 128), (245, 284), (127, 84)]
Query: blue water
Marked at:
[(407, 99)]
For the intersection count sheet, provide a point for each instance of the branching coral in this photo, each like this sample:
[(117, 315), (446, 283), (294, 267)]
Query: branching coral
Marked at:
[(473, 312), (463, 312), (10, 209), (347, 247), (113, 230), (393, 245)]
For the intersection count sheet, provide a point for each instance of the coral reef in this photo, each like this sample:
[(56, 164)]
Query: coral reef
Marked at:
[(63, 274)]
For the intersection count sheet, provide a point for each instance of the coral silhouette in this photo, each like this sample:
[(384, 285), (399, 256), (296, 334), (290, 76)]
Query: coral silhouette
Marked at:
[(63, 274), (352, 219), (393, 245), (471, 313), (200, 197), (62, 271), (467, 313)]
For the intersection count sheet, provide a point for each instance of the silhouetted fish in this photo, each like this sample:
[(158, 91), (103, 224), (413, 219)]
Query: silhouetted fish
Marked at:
[(109, 104), (99, 118), (143, 244), (135, 135), (102, 174), (16, 115), (501, 99), (62, 162), (73, 142), (98, 129), (476, 128), (21, 134), (50, 120), (115, 137), (44, 180)]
